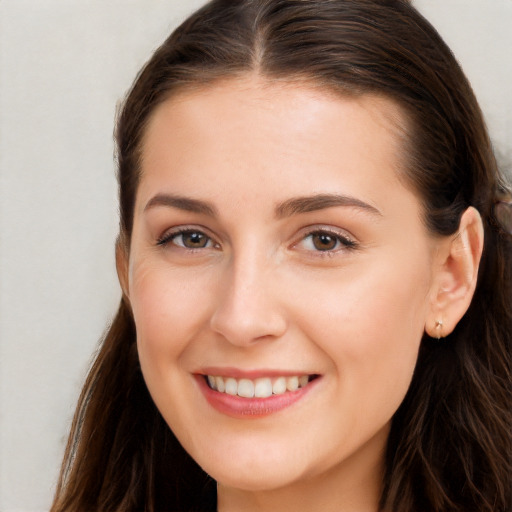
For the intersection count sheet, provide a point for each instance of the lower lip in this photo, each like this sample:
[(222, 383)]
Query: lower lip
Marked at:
[(248, 408)]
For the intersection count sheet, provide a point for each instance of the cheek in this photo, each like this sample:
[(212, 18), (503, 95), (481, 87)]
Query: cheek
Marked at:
[(368, 306), (371, 326), (167, 311)]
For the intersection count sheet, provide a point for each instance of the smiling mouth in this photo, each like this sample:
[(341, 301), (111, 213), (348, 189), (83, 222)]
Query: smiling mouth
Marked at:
[(263, 387)]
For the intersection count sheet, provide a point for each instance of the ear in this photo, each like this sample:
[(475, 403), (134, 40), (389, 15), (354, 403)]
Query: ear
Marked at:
[(455, 276), (122, 266)]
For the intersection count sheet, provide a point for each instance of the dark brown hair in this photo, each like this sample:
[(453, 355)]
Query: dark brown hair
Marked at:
[(450, 445)]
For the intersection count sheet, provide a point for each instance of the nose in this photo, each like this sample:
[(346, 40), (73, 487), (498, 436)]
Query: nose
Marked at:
[(248, 309)]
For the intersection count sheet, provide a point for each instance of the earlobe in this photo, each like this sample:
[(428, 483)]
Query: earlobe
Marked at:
[(122, 267), (456, 276)]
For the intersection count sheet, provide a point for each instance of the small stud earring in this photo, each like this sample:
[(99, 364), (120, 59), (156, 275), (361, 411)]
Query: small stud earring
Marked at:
[(439, 329)]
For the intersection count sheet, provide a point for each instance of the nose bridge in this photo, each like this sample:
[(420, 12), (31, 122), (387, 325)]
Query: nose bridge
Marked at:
[(247, 309)]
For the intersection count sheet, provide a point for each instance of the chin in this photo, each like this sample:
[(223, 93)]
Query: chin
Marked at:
[(256, 468), (256, 479)]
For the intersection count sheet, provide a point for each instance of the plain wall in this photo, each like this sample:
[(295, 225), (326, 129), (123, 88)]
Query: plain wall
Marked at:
[(64, 65)]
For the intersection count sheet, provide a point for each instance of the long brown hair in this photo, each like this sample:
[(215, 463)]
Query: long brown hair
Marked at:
[(450, 445)]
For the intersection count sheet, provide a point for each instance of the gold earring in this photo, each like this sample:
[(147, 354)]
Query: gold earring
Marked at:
[(439, 329)]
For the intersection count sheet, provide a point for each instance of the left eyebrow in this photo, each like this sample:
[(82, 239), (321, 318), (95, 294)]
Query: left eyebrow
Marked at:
[(316, 202)]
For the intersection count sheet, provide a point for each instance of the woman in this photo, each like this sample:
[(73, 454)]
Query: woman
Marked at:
[(316, 286)]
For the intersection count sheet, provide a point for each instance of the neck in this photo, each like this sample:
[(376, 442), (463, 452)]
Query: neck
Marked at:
[(354, 485)]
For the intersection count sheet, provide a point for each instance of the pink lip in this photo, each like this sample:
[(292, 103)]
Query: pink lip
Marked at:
[(249, 408), (236, 373)]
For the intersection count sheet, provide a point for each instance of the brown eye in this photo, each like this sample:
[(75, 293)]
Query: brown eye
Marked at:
[(324, 241), (187, 239), (192, 240)]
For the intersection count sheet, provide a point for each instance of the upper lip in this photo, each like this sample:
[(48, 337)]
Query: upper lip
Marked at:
[(237, 373)]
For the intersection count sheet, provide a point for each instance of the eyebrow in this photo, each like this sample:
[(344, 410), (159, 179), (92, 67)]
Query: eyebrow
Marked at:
[(182, 203), (293, 206), (320, 202)]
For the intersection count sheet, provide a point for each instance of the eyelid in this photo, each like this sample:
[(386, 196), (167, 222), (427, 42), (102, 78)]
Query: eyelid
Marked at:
[(348, 241), (167, 236)]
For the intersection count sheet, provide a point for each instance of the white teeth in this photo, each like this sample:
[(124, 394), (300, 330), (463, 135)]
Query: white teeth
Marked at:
[(246, 388), (231, 386), (292, 383), (262, 388), (219, 384), (279, 386), (259, 388), (303, 381)]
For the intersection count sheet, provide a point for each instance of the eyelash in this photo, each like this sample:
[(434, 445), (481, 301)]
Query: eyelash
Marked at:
[(169, 237), (342, 242)]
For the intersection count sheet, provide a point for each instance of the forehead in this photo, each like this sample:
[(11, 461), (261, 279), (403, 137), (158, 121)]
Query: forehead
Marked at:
[(251, 130), (262, 98)]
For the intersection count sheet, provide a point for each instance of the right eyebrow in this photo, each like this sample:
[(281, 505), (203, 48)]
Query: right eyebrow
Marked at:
[(181, 203)]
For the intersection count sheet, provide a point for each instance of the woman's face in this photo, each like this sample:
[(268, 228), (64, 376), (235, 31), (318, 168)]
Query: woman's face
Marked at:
[(275, 247)]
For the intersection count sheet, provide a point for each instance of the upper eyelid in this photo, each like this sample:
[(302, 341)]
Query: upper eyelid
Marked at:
[(303, 233), (319, 228), (169, 233), (347, 242)]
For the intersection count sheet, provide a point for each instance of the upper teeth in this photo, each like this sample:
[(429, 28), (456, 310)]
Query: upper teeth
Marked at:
[(257, 388)]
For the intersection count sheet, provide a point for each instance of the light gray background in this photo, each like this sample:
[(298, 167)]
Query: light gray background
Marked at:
[(64, 65)]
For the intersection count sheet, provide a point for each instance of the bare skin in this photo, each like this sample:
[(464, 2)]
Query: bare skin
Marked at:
[(273, 236)]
